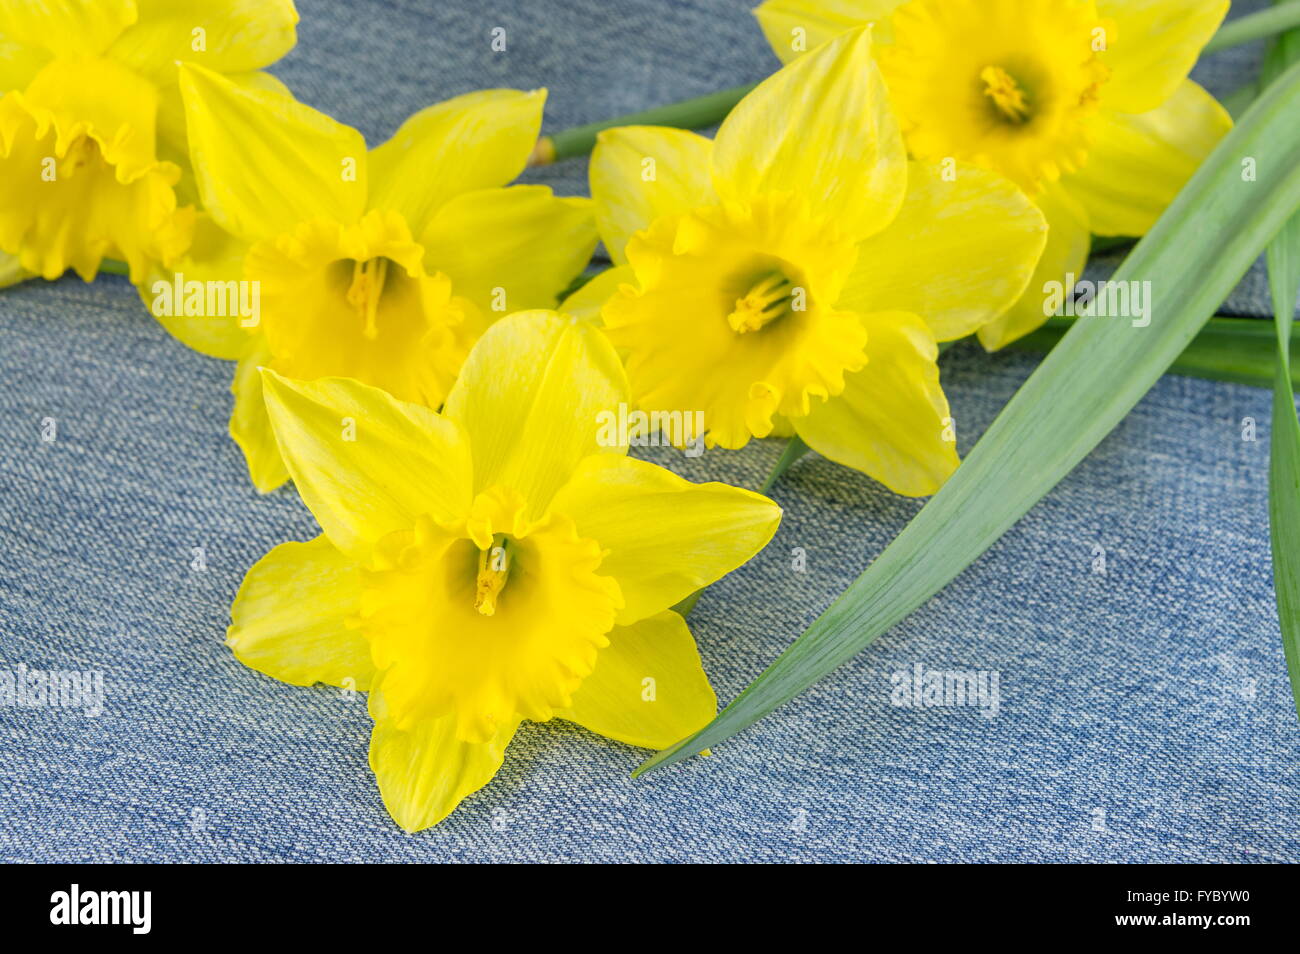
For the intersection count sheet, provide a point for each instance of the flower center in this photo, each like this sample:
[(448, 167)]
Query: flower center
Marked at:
[(1011, 87), (432, 610), (81, 152), (767, 300), (493, 570), (364, 293), (1008, 99)]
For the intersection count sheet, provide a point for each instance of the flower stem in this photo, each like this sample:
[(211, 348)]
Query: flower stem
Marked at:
[(1256, 26), (1239, 350), (794, 449), (698, 113), (704, 111)]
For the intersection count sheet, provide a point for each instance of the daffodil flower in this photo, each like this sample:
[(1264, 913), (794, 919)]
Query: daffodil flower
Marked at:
[(1085, 104), (92, 136), (492, 563), (796, 273), (385, 266)]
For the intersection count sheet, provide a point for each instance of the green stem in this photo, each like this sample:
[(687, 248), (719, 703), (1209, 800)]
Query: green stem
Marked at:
[(111, 266), (1255, 26), (698, 113), (794, 449), (1239, 350), (705, 111), (1110, 243)]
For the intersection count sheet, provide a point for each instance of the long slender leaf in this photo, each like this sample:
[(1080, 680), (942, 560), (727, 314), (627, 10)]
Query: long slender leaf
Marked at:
[(1256, 26), (1284, 444), (1193, 257), (1284, 460)]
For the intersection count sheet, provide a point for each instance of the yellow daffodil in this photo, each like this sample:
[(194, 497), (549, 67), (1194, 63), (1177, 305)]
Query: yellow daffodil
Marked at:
[(797, 272), (499, 561), (384, 266), (92, 136), (1085, 103)]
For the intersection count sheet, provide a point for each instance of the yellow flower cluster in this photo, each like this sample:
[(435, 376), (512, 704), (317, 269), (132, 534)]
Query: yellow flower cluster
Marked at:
[(489, 553)]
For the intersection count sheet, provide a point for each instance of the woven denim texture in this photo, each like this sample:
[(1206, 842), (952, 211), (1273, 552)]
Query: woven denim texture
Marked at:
[(1145, 713)]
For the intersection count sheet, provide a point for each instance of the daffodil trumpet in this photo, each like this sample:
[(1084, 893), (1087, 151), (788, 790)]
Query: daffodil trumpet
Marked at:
[(797, 274), (1085, 104), (384, 265), (494, 563), (93, 160), (701, 112)]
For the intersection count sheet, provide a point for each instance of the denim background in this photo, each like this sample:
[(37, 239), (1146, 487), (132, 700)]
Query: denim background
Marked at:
[(1145, 712)]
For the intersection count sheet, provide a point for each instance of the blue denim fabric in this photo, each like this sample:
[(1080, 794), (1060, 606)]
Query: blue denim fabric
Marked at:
[(1145, 713)]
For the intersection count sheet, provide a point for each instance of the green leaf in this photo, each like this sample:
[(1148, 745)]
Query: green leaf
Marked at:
[(1256, 26), (1284, 444), (1193, 257), (1284, 459)]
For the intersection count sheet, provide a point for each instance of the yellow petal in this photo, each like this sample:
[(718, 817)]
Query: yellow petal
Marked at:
[(527, 246), (821, 128), (528, 397), (424, 773), (648, 688), (101, 98), (782, 426), (229, 36), (250, 425), (795, 26), (476, 141), (639, 173), (289, 619), (291, 163), (1139, 163), (214, 256), (585, 304), (79, 179), (1154, 47), (1068, 241), (959, 254), (666, 537), (19, 63), (173, 138), (364, 463), (892, 420), (66, 27)]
